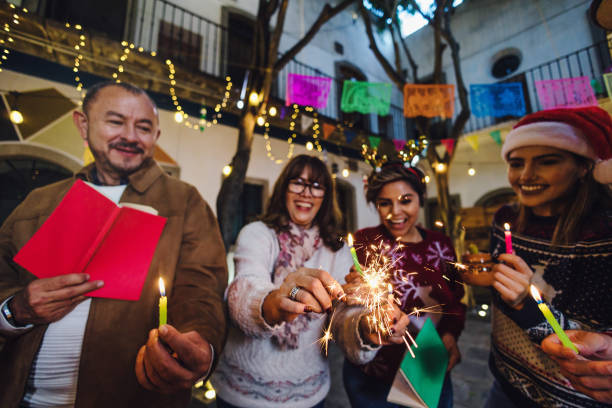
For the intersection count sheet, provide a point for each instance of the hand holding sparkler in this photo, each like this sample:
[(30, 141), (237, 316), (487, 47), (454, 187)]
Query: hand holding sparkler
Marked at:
[(590, 372), (512, 279), (303, 291), (398, 324)]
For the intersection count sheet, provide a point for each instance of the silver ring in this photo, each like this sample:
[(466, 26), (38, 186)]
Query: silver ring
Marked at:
[(293, 293)]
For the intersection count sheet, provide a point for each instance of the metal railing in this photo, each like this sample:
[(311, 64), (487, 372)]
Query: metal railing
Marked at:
[(591, 61), (197, 43)]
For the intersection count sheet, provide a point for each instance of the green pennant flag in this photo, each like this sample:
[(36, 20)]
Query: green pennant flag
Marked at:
[(496, 135), (366, 97), (374, 141)]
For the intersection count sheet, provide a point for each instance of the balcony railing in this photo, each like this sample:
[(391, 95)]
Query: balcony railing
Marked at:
[(210, 48), (591, 61)]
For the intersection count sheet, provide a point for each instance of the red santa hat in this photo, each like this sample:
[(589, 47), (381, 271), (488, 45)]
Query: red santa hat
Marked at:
[(586, 132)]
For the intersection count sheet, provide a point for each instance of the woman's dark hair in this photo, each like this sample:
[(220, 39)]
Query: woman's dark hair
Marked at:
[(580, 201), (328, 219), (395, 171)]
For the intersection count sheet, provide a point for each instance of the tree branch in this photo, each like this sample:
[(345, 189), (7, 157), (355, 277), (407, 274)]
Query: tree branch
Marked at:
[(278, 32), (327, 13), (464, 115), (387, 67), (396, 52), (418, 9), (271, 8), (411, 61)]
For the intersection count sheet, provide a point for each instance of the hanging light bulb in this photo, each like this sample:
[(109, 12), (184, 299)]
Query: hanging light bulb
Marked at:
[(309, 146), (240, 104), (253, 98), (261, 121), (16, 117), (440, 167), (272, 111), (471, 171), (178, 117), (427, 179), (227, 170), (345, 173)]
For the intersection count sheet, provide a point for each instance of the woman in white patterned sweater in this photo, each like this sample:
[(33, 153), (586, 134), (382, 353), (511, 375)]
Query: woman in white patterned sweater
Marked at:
[(287, 270)]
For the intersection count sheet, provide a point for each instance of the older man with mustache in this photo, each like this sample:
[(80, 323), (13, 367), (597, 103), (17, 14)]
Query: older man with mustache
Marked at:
[(65, 349)]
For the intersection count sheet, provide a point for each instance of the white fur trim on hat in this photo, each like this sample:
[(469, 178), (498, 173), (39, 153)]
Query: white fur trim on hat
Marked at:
[(553, 134), (602, 172)]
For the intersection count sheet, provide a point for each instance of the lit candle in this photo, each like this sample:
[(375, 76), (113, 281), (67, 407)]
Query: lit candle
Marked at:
[(354, 254), (508, 236), (551, 319), (163, 303)]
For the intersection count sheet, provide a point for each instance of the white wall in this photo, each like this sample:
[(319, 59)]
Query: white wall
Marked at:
[(202, 155), (541, 29), (490, 171)]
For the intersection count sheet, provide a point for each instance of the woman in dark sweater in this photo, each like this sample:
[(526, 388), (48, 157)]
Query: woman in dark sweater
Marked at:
[(562, 242), (397, 192)]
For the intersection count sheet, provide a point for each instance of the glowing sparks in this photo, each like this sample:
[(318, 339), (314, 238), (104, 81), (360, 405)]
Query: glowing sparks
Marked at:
[(374, 291)]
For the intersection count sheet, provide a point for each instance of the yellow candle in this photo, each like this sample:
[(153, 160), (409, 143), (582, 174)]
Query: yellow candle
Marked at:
[(354, 254), (551, 319), (163, 303)]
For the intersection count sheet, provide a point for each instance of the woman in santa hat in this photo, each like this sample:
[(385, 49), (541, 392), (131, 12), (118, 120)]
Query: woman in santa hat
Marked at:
[(559, 165)]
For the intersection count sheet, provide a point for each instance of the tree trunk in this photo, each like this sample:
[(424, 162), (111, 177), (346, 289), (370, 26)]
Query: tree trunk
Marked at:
[(228, 200), (263, 71)]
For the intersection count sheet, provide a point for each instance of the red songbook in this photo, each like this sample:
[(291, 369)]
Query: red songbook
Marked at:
[(88, 233)]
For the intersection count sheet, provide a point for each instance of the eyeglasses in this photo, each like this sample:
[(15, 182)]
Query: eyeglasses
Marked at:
[(298, 186)]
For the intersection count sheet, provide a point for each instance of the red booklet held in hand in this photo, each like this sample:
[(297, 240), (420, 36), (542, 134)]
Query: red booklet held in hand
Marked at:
[(88, 233)]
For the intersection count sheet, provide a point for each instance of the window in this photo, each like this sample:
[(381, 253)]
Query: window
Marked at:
[(506, 62), (180, 45), (239, 46), (20, 176), (344, 72), (251, 204), (345, 195), (107, 16)]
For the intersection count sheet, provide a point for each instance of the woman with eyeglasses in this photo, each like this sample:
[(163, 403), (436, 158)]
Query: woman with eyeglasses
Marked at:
[(287, 270), (421, 279)]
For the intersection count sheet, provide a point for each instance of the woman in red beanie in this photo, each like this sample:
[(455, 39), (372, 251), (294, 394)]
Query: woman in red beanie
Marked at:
[(558, 165)]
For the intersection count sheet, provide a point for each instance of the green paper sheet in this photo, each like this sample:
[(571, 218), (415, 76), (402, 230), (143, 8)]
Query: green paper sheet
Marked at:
[(419, 380)]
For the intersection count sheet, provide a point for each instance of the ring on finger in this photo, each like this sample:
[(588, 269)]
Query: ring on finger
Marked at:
[(293, 293)]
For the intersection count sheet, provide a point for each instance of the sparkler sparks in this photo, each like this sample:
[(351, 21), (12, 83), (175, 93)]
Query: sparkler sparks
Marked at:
[(374, 291)]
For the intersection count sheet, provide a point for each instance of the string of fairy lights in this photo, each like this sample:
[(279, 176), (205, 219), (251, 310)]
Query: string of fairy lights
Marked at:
[(180, 116), (15, 115), (13, 20), (79, 58)]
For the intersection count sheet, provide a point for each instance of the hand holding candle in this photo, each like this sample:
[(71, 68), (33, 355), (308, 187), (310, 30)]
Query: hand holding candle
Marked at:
[(508, 236), (551, 319), (163, 303), (354, 254)]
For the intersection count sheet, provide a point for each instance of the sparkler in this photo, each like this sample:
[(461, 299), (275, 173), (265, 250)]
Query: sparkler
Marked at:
[(376, 294)]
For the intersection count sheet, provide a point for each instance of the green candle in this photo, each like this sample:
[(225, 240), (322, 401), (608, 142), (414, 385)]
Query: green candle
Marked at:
[(354, 254), (163, 304), (551, 319)]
